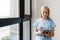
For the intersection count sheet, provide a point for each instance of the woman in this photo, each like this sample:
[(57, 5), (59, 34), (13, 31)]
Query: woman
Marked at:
[(43, 23)]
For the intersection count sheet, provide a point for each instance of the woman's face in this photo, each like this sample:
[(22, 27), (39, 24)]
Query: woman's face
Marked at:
[(44, 13)]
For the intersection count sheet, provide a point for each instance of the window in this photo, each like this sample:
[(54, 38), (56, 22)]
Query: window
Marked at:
[(9, 9), (14, 18)]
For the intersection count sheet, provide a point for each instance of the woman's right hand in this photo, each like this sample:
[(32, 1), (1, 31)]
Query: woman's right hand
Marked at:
[(40, 31)]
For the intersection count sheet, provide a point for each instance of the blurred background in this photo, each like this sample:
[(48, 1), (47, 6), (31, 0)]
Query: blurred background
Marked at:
[(10, 9)]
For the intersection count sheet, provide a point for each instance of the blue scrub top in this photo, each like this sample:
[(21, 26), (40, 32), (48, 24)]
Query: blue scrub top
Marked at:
[(47, 25)]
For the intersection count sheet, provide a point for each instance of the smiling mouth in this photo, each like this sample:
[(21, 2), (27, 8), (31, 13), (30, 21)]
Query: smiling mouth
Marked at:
[(45, 16)]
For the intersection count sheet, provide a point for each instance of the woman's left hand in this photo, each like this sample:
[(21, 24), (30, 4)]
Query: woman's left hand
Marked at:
[(49, 35), (46, 34)]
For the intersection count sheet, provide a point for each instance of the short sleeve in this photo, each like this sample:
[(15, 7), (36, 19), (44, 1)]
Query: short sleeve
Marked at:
[(52, 24), (35, 24)]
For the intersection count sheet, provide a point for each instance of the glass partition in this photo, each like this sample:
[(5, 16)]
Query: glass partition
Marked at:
[(26, 30), (10, 32), (14, 32), (27, 7), (9, 8)]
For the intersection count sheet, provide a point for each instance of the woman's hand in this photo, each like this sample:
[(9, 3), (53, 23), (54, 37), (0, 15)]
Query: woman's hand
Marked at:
[(49, 34), (46, 35), (40, 31)]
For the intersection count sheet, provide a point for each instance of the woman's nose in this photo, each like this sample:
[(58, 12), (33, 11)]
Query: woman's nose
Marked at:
[(45, 14)]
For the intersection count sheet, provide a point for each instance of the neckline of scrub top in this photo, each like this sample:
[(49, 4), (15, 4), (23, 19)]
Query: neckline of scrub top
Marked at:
[(43, 21)]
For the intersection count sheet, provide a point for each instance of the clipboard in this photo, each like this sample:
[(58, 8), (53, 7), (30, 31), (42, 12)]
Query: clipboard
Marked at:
[(50, 32)]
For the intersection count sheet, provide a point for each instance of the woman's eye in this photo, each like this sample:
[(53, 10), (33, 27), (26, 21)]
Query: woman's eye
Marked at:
[(45, 12)]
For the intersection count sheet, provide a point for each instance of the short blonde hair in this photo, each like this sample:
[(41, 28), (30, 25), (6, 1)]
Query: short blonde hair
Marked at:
[(46, 7)]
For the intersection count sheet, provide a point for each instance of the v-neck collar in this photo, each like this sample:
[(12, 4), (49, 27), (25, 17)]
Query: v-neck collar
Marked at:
[(42, 20)]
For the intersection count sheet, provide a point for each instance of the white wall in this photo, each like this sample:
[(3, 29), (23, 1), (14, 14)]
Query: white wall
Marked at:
[(34, 16), (55, 13)]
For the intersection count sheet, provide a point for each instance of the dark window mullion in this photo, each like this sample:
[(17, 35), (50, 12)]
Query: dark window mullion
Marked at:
[(30, 18), (21, 16)]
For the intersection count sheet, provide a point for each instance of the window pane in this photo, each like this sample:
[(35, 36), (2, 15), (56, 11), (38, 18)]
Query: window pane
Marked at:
[(4, 32), (14, 32), (10, 32), (4, 8), (9, 8), (27, 7), (14, 8), (26, 30)]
